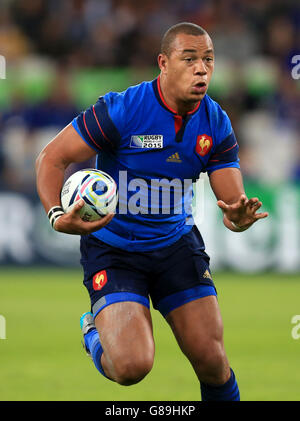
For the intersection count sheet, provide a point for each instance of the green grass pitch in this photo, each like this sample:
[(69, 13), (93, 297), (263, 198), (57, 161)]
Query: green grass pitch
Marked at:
[(42, 357)]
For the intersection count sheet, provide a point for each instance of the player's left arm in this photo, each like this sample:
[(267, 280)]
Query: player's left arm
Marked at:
[(226, 180), (239, 212)]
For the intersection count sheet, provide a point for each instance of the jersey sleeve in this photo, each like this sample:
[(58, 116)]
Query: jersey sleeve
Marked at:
[(101, 125), (225, 151)]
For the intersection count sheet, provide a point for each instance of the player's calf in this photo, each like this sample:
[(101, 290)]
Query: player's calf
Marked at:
[(198, 328), (217, 379)]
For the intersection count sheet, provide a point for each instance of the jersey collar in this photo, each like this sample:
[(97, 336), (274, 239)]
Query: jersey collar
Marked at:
[(162, 102)]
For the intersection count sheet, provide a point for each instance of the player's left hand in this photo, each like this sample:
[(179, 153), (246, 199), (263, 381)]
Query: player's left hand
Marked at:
[(241, 215)]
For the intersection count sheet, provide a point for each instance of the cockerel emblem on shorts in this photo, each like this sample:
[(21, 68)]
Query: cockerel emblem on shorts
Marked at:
[(204, 144), (99, 280)]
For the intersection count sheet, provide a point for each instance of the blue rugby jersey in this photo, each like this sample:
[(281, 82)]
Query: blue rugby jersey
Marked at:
[(149, 149)]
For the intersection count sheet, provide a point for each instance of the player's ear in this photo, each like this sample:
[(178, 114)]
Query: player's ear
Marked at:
[(162, 60)]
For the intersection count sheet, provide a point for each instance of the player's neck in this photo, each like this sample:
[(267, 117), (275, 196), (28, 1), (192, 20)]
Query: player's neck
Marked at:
[(180, 107)]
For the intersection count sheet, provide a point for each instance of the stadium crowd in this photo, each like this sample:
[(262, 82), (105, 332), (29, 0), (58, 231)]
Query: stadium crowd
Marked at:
[(255, 42)]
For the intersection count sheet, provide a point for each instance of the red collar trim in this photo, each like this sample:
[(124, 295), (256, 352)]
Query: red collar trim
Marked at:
[(167, 106)]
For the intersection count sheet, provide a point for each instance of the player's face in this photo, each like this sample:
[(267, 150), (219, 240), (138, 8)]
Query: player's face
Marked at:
[(189, 67)]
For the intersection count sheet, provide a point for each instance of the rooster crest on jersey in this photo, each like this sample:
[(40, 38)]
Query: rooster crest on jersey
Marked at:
[(99, 280), (96, 188), (204, 144)]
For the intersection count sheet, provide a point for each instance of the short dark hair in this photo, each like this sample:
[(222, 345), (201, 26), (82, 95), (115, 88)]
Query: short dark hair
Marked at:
[(180, 28)]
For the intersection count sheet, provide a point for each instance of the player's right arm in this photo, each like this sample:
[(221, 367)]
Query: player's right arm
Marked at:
[(66, 148)]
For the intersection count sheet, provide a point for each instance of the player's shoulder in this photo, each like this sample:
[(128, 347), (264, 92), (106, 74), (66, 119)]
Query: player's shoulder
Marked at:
[(218, 118), (133, 95), (125, 107), (214, 109)]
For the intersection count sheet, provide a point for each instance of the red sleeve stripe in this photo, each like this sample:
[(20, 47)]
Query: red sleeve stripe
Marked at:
[(227, 149), (230, 148), (103, 134), (87, 130)]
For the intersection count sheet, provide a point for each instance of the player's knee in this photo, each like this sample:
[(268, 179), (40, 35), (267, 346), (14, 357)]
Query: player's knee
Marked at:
[(211, 365), (131, 371)]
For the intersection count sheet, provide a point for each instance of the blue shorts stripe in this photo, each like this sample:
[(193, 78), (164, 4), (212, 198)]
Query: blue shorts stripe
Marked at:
[(173, 301), (117, 297)]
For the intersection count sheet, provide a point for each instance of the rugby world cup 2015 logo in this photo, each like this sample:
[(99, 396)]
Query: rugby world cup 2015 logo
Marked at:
[(204, 144), (147, 141), (99, 280)]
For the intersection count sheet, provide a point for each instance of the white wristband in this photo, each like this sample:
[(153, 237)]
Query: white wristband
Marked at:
[(54, 213)]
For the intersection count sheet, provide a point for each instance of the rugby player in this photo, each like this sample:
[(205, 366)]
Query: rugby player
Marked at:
[(168, 128)]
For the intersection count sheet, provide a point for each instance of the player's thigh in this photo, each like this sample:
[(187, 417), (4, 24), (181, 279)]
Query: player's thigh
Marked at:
[(126, 335), (197, 323), (183, 274)]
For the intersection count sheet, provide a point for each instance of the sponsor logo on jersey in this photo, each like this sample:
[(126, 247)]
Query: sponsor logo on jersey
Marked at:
[(147, 141), (99, 280), (204, 144), (174, 158)]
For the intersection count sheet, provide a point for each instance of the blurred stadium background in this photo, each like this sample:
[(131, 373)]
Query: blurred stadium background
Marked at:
[(60, 56)]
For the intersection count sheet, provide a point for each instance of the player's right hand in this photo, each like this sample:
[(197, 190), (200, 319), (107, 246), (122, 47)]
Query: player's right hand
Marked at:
[(71, 222)]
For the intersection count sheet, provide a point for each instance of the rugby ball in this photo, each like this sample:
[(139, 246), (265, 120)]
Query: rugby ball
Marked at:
[(96, 188)]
